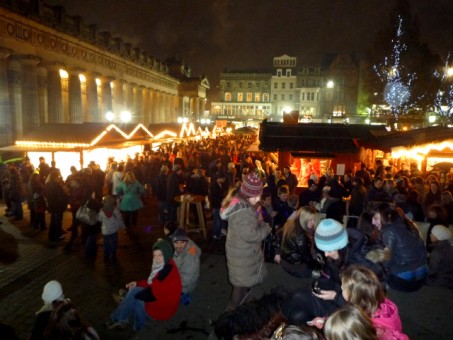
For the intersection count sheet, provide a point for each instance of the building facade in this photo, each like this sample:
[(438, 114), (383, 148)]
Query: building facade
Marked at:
[(283, 84), (326, 92), (54, 68), (244, 96)]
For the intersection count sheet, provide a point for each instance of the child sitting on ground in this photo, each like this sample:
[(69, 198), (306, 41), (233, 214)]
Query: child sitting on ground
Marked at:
[(440, 263)]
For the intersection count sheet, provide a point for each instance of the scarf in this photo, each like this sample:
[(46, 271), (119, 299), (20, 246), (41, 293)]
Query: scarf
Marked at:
[(155, 268)]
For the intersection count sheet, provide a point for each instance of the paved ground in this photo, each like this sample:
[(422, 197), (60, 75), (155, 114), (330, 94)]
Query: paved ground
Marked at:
[(28, 261)]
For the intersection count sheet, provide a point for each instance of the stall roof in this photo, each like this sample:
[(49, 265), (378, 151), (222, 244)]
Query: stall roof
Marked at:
[(316, 137), (57, 137), (433, 134)]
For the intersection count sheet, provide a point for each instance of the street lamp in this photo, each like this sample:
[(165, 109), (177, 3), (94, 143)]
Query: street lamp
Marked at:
[(109, 116), (125, 116)]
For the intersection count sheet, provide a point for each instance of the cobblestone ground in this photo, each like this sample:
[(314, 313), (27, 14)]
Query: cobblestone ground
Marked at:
[(28, 261)]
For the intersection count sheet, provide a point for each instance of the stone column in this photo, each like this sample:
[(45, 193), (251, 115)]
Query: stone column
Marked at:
[(15, 95), (129, 97), (168, 113), (106, 93), (146, 106), (161, 107), (42, 94), (153, 108), (5, 109), (30, 106), (75, 97), (118, 95), (138, 115), (92, 111), (54, 95)]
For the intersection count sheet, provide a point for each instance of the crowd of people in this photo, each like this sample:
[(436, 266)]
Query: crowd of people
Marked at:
[(356, 235)]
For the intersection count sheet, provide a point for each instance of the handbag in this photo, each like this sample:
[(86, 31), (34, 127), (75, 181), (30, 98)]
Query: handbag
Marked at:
[(86, 215)]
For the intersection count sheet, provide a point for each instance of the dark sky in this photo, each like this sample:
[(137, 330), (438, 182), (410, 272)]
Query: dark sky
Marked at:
[(212, 35)]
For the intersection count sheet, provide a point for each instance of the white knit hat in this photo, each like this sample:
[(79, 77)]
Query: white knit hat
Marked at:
[(441, 233), (52, 291)]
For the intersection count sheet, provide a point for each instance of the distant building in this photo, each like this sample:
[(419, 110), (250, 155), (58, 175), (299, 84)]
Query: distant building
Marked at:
[(244, 96), (283, 84), (326, 92)]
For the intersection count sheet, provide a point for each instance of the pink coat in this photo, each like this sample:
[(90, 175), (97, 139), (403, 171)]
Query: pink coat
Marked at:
[(388, 323)]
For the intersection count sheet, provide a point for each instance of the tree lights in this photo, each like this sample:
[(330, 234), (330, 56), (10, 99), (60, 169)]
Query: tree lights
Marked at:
[(395, 77)]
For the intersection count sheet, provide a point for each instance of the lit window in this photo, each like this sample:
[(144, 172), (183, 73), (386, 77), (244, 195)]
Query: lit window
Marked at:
[(257, 97), (228, 96), (240, 97), (249, 96)]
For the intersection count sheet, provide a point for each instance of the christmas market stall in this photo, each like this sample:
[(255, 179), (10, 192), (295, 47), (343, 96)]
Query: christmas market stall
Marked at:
[(426, 149), (312, 148), (79, 144)]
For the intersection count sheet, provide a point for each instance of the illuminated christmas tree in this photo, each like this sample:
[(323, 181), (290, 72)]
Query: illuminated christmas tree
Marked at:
[(396, 78), (443, 102)]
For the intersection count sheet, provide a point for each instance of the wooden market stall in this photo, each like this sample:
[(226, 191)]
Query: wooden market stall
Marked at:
[(312, 148), (79, 144), (427, 149)]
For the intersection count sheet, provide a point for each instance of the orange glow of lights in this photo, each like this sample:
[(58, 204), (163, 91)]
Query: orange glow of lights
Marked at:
[(419, 152), (164, 133)]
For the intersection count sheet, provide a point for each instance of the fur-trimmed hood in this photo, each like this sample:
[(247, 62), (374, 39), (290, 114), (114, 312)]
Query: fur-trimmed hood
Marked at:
[(237, 204)]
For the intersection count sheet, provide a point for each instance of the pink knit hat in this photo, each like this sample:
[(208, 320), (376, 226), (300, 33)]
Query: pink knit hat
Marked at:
[(252, 186)]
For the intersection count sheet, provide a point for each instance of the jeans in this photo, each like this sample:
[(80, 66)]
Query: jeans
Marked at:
[(110, 245), (163, 212), (130, 218), (218, 223), (172, 211), (55, 229), (131, 309)]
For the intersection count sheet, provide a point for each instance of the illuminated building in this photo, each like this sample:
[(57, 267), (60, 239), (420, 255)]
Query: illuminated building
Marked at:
[(54, 68)]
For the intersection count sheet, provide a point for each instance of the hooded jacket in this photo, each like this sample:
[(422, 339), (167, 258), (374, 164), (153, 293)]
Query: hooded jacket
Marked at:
[(387, 322), (162, 300), (188, 263), (245, 259)]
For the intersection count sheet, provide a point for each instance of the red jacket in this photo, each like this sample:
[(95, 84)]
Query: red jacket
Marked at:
[(166, 290)]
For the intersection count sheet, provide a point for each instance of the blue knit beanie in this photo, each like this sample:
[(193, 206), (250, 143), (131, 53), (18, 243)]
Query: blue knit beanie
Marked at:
[(330, 235)]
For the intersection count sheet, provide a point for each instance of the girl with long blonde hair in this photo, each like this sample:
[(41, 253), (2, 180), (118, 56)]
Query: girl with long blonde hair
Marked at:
[(298, 255)]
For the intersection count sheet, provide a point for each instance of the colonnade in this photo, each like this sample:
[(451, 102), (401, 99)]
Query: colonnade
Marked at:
[(34, 91)]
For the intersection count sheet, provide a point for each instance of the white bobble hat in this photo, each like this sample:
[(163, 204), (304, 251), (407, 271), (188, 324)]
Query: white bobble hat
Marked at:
[(52, 291)]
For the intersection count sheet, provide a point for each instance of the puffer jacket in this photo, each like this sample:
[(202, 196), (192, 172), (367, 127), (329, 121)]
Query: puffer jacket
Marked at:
[(387, 322), (188, 263), (407, 249), (245, 259)]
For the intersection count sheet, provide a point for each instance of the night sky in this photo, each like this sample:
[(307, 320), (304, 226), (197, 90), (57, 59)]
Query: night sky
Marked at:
[(212, 35)]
